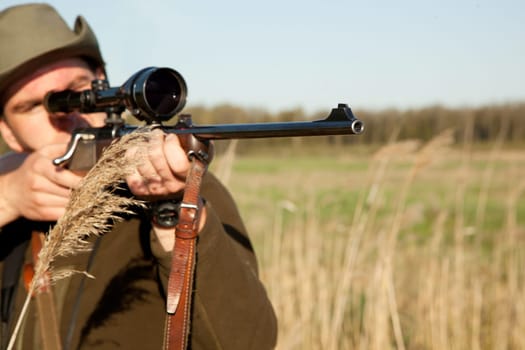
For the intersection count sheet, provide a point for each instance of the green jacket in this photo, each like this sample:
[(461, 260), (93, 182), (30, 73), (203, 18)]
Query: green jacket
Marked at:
[(123, 307)]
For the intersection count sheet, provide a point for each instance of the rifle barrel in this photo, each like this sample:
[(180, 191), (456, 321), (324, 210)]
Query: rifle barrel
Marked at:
[(266, 130)]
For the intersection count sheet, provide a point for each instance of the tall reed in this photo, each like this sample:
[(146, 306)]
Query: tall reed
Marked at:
[(430, 257), (92, 210)]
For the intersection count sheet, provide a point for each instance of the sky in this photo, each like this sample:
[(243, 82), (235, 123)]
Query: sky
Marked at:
[(313, 54)]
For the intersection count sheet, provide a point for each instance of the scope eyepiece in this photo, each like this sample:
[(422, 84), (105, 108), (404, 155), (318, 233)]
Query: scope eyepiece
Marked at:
[(152, 94)]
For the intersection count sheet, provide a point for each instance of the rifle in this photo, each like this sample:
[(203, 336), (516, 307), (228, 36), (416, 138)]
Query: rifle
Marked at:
[(155, 95)]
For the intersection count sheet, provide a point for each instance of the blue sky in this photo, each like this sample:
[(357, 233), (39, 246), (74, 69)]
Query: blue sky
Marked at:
[(283, 54)]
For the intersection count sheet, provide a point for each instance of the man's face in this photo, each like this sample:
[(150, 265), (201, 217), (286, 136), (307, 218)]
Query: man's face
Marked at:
[(27, 126)]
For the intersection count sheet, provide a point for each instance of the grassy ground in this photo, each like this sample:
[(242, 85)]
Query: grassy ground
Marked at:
[(411, 246)]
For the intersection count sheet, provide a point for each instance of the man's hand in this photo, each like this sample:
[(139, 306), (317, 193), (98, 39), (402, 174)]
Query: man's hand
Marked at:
[(32, 187), (162, 174)]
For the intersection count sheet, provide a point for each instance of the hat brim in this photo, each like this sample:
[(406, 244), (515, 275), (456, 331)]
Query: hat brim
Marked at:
[(83, 45)]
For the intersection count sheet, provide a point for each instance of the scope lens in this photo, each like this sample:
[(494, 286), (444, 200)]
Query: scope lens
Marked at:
[(164, 92)]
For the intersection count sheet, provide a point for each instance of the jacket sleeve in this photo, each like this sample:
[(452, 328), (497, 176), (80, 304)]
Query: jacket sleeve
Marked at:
[(231, 309)]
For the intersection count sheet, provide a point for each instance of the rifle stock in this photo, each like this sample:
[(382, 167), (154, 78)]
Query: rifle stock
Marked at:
[(155, 95)]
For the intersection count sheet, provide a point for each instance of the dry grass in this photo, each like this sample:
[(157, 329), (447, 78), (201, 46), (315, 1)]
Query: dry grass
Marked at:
[(428, 256)]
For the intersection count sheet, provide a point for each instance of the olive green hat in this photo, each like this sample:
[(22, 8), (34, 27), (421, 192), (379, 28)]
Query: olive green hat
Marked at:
[(35, 34)]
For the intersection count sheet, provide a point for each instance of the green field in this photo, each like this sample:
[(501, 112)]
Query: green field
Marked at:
[(411, 246)]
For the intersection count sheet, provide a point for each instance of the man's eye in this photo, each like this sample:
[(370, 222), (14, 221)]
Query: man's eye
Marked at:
[(28, 107)]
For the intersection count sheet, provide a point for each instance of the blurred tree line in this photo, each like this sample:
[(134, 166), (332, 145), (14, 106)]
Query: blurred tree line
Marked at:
[(486, 123), (506, 121)]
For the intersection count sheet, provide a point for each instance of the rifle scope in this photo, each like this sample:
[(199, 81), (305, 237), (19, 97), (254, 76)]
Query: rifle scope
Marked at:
[(152, 94)]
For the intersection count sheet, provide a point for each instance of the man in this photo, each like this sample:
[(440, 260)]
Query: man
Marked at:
[(124, 306)]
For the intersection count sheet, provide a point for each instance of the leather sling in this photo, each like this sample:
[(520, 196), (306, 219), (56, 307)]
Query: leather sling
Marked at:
[(180, 284), (45, 302)]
